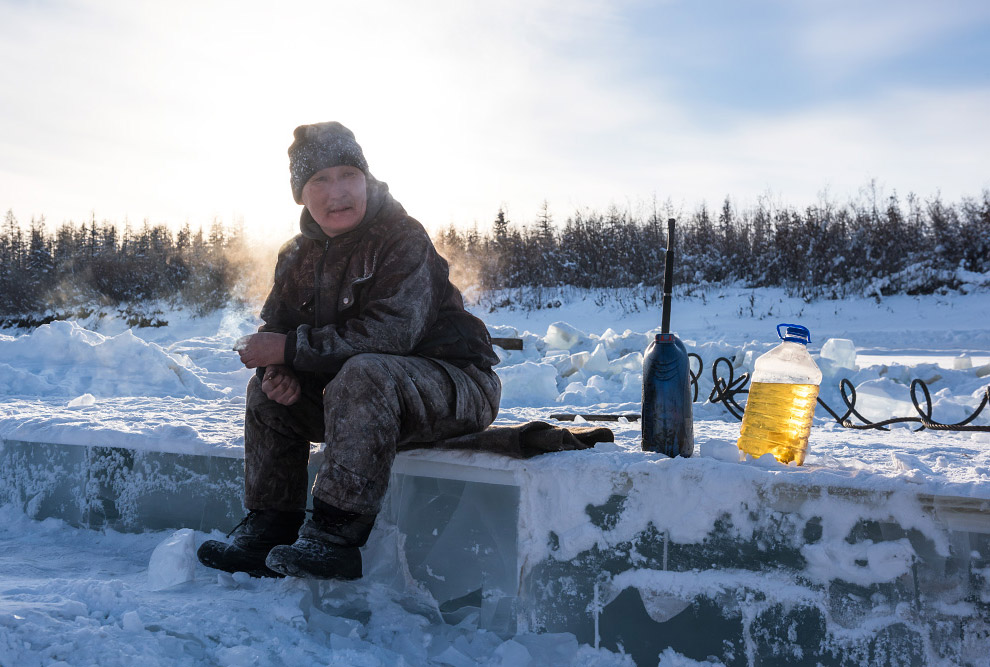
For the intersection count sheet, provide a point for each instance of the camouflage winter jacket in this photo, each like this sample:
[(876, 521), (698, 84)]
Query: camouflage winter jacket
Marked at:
[(381, 287)]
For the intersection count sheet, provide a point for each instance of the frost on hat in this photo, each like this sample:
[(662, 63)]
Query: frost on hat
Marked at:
[(319, 146)]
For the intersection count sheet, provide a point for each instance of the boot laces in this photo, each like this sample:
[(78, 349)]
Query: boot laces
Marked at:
[(246, 519)]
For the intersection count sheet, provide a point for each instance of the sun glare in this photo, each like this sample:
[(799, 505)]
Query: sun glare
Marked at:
[(183, 111)]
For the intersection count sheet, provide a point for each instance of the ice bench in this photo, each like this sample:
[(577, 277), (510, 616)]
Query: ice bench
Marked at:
[(617, 548)]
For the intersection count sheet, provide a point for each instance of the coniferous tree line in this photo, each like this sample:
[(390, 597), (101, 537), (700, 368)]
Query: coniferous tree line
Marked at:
[(80, 268), (870, 246)]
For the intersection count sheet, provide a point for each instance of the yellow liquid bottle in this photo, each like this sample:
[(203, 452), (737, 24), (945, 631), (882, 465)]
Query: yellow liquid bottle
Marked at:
[(778, 420), (782, 399)]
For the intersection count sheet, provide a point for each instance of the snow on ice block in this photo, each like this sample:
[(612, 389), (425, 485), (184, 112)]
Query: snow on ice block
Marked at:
[(705, 556), (123, 489), (840, 351)]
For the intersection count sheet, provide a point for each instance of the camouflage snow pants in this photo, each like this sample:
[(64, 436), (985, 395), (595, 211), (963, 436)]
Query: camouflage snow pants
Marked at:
[(376, 403)]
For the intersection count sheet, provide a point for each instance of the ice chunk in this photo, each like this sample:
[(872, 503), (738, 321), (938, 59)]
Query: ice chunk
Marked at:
[(608, 337), (598, 360), (562, 336), (564, 363), (841, 351), (661, 607), (528, 383), (949, 409), (451, 656), (503, 355), (743, 360), (240, 656), (82, 401), (632, 387), (550, 648), (173, 562), (511, 654), (884, 399), (598, 382), (595, 391), (962, 363), (579, 359), (334, 625), (503, 331), (131, 622), (626, 343), (630, 363)]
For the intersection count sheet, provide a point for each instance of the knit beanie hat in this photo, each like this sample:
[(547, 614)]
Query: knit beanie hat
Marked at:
[(319, 146)]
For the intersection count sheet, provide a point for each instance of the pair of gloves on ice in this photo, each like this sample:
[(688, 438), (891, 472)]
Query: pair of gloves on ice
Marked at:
[(523, 441)]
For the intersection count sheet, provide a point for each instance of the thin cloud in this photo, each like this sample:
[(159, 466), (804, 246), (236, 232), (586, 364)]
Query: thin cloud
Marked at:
[(184, 110), (845, 35)]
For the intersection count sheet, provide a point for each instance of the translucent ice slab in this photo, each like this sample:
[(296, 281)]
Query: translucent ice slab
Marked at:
[(712, 559)]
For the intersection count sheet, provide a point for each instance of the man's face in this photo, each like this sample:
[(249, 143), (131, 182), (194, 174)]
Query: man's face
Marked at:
[(337, 198)]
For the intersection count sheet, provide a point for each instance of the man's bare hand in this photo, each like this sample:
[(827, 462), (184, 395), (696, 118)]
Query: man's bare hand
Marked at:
[(261, 349), (281, 385)]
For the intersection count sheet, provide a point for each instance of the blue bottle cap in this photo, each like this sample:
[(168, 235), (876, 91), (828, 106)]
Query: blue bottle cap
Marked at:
[(794, 333)]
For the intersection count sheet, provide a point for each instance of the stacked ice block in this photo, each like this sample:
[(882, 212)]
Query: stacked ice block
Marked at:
[(711, 558)]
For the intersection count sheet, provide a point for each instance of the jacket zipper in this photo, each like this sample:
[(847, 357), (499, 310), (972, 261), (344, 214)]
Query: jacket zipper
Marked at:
[(319, 274)]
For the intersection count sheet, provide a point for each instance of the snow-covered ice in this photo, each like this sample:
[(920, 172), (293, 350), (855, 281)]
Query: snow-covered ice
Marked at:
[(89, 597), (180, 388), (71, 596)]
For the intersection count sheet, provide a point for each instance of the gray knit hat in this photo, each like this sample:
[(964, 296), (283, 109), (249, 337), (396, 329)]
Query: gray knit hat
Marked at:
[(319, 146)]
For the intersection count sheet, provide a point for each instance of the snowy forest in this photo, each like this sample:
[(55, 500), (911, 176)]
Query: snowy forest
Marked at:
[(871, 246), (863, 248), (96, 265)]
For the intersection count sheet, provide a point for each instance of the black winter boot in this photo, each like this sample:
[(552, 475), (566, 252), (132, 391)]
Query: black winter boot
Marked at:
[(254, 537), (328, 546)]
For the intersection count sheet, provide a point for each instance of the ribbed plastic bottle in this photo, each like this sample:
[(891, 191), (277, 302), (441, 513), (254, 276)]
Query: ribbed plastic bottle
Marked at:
[(782, 398)]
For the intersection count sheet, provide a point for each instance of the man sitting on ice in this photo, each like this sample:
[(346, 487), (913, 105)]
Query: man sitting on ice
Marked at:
[(365, 346)]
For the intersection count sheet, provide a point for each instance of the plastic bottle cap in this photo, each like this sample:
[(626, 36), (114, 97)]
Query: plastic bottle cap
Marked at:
[(794, 333)]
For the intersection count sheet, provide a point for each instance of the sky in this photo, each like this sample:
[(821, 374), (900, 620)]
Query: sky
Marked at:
[(182, 111)]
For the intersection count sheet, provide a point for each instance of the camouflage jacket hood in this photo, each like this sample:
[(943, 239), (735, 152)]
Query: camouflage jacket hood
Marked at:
[(381, 287)]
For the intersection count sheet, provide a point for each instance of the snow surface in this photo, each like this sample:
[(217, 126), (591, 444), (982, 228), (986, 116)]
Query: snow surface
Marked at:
[(106, 598), (180, 388), (71, 596)]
